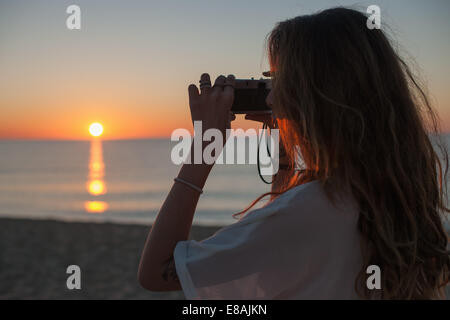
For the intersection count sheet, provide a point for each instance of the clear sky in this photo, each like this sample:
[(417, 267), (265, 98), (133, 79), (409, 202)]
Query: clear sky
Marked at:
[(130, 64)]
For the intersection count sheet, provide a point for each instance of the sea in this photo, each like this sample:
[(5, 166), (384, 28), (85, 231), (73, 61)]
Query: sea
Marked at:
[(122, 181)]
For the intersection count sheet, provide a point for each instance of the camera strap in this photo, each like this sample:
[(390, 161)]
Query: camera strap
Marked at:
[(265, 127)]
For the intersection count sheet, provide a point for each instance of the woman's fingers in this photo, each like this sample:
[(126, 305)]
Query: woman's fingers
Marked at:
[(205, 83), (229, 84), (231, 117), (218, 84), (193, 93), (222, 83), (231, 77)]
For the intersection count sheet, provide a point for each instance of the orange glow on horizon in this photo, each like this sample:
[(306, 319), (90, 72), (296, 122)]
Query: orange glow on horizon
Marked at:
[(116, 125)]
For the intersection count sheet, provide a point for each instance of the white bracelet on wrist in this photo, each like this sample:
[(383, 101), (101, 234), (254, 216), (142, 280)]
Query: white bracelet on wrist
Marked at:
[(189, 184)]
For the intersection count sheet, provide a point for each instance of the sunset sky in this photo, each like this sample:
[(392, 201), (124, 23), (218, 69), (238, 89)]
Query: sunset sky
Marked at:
[(131, 63)]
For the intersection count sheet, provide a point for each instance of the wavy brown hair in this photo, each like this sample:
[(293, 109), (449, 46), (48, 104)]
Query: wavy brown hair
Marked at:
[(364, 124)]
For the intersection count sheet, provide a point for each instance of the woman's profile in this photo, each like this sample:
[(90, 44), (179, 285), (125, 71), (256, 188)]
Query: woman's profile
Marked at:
[(372, 190)]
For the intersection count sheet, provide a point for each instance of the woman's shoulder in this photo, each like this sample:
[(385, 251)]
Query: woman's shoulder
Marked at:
[(309, 203), (313, 195), (301, 193)]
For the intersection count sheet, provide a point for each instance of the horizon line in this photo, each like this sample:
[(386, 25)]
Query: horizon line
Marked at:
[(108, 139)]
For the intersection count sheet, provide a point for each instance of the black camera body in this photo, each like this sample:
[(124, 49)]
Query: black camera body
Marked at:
[(250, 96)]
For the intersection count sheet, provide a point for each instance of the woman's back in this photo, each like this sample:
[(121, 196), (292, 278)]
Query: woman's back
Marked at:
[(297, 247)]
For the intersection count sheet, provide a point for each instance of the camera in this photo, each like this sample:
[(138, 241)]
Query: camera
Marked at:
[(250, 96)]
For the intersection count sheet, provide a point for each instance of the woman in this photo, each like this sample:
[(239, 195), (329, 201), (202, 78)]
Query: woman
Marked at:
[(371, 192)]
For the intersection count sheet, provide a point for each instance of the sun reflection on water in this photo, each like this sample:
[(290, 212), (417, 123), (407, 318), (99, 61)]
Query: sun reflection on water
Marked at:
[(95, 184), (96, 187), (95, 206)]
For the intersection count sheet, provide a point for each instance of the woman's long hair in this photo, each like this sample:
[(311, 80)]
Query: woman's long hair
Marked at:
[(363, 123)]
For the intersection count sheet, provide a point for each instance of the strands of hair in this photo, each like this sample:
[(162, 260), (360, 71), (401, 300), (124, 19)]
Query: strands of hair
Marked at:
[(364, 124)]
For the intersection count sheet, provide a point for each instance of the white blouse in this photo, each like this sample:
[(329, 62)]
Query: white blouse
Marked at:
[(298, 247)]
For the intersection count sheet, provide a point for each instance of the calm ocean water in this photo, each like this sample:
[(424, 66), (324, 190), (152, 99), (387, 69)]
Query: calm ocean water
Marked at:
[(118, 181)]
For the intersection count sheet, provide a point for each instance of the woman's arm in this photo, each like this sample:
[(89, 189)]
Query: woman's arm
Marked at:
[(173, 223)]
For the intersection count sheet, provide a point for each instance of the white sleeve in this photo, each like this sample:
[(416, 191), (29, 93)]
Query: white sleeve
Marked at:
[(222, 266), (299, 246), (250, 259)]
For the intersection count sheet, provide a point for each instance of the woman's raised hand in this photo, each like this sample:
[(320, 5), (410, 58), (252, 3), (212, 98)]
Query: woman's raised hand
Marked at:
[(212, 105)]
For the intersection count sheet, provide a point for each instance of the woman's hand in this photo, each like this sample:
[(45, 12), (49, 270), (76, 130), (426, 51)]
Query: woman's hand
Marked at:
[(212, 105)]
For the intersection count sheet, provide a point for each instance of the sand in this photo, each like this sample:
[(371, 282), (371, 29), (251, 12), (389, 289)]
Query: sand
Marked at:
[(34, 256)]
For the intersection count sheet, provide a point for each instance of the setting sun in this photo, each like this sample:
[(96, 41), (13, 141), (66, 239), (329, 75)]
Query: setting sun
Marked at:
[(96, 129)]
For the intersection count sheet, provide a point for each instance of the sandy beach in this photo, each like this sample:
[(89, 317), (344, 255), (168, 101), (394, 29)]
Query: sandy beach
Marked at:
[(34, 255)]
